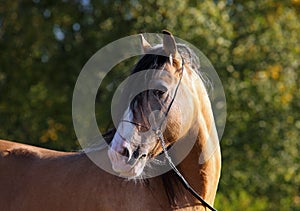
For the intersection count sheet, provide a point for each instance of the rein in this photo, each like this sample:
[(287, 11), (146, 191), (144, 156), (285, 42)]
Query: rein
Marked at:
[(179, 175)]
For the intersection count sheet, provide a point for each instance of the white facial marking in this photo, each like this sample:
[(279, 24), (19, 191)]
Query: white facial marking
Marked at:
[(125, 128)]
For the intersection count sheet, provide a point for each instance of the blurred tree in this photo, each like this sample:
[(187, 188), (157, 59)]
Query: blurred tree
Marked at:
[(254, 47), (263, 103)]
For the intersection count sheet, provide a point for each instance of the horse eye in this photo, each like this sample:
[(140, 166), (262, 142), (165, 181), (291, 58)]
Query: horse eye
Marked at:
[(158, 93)]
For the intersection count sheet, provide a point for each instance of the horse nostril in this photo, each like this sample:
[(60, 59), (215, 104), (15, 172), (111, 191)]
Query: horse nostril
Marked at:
[(125, 152), (136, 153), (143, 156)]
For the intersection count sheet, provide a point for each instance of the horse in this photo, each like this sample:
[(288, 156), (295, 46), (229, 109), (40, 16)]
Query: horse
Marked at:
[(33, 178)]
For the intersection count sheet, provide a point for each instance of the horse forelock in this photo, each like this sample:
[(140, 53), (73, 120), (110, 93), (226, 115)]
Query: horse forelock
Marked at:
[(156, 60)]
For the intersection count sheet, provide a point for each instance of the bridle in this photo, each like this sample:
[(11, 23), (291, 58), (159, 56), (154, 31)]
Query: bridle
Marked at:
[(160, 136)]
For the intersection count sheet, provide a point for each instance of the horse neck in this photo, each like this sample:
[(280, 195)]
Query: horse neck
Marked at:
[(201, 167)]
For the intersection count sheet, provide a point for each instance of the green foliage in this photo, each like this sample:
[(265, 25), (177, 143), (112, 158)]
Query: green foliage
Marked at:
[(240, 200), (254, 46)]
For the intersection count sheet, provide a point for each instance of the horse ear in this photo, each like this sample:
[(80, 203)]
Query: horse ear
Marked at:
[(169, 44), (145, 45)]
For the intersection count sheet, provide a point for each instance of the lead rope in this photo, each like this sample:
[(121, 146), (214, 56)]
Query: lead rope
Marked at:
[(179, 175)]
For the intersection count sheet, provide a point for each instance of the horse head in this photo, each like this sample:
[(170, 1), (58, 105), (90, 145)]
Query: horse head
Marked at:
[(170, 106)]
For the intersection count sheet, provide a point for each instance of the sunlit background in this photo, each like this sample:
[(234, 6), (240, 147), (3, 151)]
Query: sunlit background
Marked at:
[(253, 45)]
